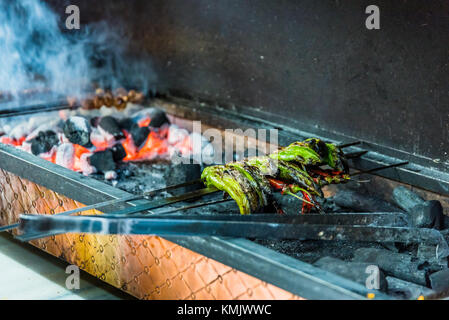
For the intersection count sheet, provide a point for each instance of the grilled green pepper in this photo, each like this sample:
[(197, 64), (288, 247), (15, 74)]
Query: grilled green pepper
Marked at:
[(226, 180)]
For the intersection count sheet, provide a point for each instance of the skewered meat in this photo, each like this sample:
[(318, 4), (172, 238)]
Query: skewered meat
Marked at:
[(291, 170), (119, 99)]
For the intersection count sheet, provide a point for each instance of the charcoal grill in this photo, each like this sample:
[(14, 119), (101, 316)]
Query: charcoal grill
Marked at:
[(151, 267)]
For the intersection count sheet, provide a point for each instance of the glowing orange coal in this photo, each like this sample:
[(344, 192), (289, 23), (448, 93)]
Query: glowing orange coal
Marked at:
[(155, 146), (144, 122), (11, 141), (161, 143), (79, 151)]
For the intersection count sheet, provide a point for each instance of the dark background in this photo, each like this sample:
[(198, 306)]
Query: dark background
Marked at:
[(309, 60)]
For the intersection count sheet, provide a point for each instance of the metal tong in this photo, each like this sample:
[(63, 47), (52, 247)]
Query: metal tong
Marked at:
[(372, 227)]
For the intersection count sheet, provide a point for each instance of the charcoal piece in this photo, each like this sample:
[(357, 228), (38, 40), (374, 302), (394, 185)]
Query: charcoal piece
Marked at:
[(423, 214), (111, 126), (399, 265), (77, 130), (439, 281), (363, 203), (65, 155), (406, 290), (94, 121), (126, 123), (431, 253), (355, 271), (118, 152), (139, 134), (428, 214), (43, 142), (406, 198), (157, 117), (103, 161), (181, 173)]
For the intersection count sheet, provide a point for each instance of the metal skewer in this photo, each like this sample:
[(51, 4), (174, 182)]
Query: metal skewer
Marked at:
[(30, 109), (193, 206), (341, 146), (114, 201), (145, 207), (242, 227), (355, 154), (380, 168)]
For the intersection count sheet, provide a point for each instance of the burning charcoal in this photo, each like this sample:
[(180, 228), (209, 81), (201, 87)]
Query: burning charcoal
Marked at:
[(65, 155), (364, 203), (103, 161), (423, 214), (355, 271), (406, 290), (110, 175), (110, 125), (49, 125), (86, 168), (158, 118), (139, 134), (101, 139), (44, 142), (399, 265), (77, 130), (118, 152), (155, 116), (439, 281), (126, 123)]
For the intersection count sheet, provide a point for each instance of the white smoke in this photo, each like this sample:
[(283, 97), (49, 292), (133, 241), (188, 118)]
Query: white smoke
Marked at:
[(36, 54)]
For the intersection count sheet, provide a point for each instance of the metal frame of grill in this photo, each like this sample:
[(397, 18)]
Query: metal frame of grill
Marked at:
[(265, 264)]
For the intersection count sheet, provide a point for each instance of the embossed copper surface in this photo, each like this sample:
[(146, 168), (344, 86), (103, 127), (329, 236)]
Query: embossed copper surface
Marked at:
[(147, 267)]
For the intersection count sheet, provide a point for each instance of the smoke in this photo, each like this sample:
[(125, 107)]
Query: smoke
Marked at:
[(36, 54)]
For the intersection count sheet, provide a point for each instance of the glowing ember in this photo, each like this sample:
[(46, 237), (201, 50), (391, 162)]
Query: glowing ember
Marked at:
[(160, 143)]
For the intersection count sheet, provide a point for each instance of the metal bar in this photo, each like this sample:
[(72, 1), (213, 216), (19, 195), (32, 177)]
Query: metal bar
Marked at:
[(198, 205), (148, 206), (380, 168), (114, 201), (41, 107), (355, 154), (391, 219), (200, 226), (342, 146)]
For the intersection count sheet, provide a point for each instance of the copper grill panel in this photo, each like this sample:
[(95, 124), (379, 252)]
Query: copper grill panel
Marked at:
[(147, 267)]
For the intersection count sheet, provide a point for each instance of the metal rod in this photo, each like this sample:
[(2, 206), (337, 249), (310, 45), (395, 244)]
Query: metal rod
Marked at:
[(150, 205), (114, 201), (41, 107), (341, 146), (380, 168), (35, 226), (355, 154), (391, 219), (193, 206)]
